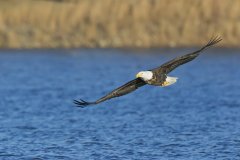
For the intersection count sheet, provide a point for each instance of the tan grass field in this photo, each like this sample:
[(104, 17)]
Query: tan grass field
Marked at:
[(117, 23)]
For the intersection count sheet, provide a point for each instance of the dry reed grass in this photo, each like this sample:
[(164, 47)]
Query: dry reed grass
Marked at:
[(117, 23)]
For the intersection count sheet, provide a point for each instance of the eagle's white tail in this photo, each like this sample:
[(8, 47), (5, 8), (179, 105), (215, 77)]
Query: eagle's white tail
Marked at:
[(170, 80)]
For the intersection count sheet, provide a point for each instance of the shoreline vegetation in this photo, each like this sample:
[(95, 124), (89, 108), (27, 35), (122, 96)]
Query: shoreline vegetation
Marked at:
[(117, 23)]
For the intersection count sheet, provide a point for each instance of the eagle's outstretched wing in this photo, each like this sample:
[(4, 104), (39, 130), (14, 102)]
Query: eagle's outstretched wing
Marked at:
[(125, 89), (171, 65)]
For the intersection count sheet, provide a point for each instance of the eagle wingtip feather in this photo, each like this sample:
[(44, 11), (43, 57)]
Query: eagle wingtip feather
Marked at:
[(81, 103), (214, 40)]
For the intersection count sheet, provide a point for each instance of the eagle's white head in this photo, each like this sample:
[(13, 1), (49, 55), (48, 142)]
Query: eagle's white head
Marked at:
[(145, 75)]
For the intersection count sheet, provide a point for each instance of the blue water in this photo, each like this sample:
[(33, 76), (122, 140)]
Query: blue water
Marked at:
[(196, 118)]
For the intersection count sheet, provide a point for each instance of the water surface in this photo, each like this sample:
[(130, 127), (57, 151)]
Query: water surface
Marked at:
[(196, 118)]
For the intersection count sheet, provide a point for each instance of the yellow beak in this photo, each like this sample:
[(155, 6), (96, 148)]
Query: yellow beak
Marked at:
[(138, 75)]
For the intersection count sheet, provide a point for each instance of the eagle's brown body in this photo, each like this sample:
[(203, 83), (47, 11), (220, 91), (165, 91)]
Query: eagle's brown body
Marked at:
[(158, 78)]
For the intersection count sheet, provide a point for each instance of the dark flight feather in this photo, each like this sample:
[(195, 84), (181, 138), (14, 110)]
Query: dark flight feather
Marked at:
[(171, 65), (125, 89)]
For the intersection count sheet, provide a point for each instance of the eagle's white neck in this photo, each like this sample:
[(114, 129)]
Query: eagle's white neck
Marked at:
[(145, 75)]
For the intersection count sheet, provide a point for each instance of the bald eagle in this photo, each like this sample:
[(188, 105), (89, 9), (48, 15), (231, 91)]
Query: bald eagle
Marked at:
[(157, 76)]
